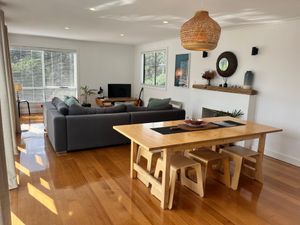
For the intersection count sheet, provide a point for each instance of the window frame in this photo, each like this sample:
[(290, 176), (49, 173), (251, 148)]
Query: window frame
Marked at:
[(76, 67), (143, 69)]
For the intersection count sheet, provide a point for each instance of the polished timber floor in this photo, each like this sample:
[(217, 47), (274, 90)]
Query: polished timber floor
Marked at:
[(93, 187)]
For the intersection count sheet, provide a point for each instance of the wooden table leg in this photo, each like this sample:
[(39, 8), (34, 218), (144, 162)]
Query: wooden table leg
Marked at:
[(133, 154), (165, 178), (238, 162), (259, 159)]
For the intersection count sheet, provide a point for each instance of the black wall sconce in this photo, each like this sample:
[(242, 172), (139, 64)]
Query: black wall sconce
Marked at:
[(204, 54), (254, 51)]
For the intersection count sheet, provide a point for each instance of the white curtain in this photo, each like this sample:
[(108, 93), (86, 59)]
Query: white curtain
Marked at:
[(4, 196), (13, 106), (7, 105)]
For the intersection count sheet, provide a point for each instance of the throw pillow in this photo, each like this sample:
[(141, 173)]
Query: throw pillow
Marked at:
[(55, 101), (62, 108), (163, 107), (71, 101), (158, 104), (79, 110)]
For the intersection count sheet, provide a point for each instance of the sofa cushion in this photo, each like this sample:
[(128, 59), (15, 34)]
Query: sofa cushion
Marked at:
[(62, 108), (79, 110), (71, 100), (157, 104), (124, 103), (163, 107), (115, 109), (133, 108), (55, 101)]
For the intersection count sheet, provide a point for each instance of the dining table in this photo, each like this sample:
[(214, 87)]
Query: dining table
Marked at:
[(169, 137)]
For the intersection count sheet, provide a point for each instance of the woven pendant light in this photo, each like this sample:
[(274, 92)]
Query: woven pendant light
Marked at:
[(200, 33)]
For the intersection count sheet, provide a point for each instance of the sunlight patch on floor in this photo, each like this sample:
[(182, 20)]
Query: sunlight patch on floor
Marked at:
[(44, 183), (33, 128), (22, 169), (42, 198), (36, 130), (15, 220), (18, 179), (39, 160), (23, 150)]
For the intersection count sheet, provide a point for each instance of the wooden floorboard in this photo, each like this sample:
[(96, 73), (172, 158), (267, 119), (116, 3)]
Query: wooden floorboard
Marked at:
[(94, 187)]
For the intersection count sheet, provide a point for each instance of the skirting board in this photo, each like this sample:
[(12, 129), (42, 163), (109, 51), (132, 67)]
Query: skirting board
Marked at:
[(288, 159), (277, 155)]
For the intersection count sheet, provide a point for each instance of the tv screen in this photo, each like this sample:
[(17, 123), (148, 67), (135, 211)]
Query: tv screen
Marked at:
[(119, 90)]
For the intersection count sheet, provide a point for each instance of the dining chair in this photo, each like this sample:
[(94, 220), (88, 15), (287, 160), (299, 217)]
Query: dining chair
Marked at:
[(211, 160), (245, 160), (148, 156), (179, 163)]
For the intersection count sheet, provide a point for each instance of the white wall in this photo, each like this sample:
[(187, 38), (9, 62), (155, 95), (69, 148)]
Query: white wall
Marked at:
[(98, 63), (276, 78)]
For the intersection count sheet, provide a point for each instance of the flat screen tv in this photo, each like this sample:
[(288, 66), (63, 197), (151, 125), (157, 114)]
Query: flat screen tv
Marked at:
[(119, 90)]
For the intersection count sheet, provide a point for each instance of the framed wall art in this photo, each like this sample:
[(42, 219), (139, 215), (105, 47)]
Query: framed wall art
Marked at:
[(182, 70)]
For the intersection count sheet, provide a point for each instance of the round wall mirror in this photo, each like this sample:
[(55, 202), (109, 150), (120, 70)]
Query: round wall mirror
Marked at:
[(227, 64), (223, 64)]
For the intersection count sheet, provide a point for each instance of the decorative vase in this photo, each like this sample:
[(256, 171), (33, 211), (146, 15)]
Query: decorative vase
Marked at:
[(248, 79)]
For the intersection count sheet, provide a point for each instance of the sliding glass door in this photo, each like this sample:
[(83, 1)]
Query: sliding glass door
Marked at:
[(44, 73)]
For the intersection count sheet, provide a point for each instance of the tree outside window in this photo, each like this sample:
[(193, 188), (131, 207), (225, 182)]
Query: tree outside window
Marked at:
[(44, 73), (155, 68)]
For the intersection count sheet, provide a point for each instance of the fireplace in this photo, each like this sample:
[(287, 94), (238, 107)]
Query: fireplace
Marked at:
[(207, 112)]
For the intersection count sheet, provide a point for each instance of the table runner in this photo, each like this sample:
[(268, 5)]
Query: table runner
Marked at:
[(181, 128)]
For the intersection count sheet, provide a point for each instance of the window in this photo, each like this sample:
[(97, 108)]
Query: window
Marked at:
[(155, 68), (44, 73)]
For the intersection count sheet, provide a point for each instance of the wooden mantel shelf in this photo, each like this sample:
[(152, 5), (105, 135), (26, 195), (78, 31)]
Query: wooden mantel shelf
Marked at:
[(226, 89)]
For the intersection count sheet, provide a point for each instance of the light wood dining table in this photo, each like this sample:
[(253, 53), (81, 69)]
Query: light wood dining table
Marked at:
[(144, 136)]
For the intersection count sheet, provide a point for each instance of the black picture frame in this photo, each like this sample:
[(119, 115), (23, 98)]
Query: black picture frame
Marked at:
[(226, 64)]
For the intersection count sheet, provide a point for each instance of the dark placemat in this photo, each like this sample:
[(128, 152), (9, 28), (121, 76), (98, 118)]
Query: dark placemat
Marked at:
[(184, 128), (228, 123)]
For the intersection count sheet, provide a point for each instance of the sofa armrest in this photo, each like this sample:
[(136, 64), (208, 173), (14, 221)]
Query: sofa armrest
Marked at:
[(57, 130), (46, 107)]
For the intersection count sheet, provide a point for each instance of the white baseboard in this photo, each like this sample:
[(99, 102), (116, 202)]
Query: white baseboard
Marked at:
[(277, 155), (282, 157)]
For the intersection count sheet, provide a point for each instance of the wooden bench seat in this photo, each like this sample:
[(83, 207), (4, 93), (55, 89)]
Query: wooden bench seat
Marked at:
[(244, 159)]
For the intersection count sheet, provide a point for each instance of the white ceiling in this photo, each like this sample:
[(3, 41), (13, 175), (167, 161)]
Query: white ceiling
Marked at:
[(139, 20)]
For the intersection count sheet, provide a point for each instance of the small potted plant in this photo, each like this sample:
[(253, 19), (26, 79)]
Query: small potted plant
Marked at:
[(209, 75), (86, 92)]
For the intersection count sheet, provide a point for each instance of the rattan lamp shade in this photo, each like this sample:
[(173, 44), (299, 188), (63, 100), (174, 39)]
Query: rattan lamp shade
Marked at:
[(200, 33)]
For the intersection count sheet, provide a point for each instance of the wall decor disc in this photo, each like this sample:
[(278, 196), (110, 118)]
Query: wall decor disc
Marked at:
[(227, 64)]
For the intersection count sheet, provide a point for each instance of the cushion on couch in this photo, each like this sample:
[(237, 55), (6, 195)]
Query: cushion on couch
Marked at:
[(79, 110), (62, 108), (161, 108), (55, 101), (115, 109), (133, 108), (71, 100), (158, 104)]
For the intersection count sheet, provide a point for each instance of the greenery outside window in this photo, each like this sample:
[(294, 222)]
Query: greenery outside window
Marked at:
[(44, 73), (155, 68)]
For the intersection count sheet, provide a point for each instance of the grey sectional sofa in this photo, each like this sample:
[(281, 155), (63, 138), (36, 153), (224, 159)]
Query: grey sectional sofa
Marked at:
[(78, 132)]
